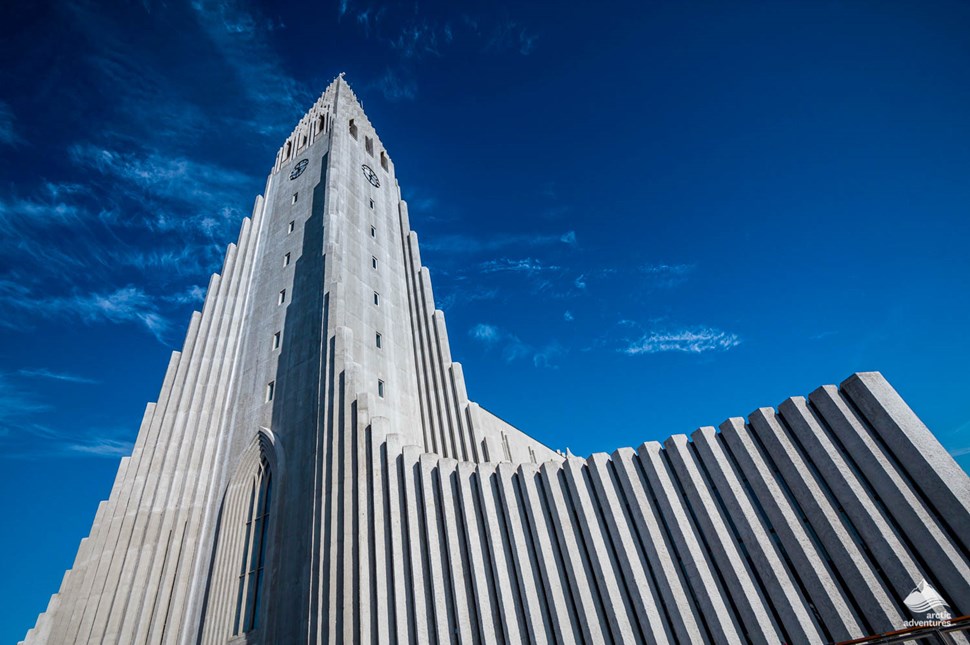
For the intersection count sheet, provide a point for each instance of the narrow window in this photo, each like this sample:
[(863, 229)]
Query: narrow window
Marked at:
[(380, 388), (378, 340), (373, 232), (286, 260), (290, 227), (377, 298), (303, 141), (369, 146), (320, 124), (254, 551), (293, 199), (289, 147), (282, 297), (353, 129), (373, 262), (276, 340), (270, 390), (372, 204), (383, 160)]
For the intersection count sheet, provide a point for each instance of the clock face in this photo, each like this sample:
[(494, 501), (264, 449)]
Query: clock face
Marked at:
[(371, 176), (299, 168)]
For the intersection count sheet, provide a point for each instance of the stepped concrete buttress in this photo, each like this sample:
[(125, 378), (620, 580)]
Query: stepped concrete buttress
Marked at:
[(314, 472)]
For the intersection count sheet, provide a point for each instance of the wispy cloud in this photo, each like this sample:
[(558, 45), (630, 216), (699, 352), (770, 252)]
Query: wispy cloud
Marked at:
[(192, 194), (16, 404), (527, 265), (464, 244), (239, 34), (512, 348), (101, 447), (666, 275), (397, 86), (8, 133), (511, 35), (44, 373), (24, 435), (127, 304), (695, 340), (466, 294), (486, 333)]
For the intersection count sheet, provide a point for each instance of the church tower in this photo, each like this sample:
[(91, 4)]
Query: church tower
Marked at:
[(314, 472)]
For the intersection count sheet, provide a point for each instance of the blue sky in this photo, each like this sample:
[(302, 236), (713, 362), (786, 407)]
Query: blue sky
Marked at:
[(640, 218)]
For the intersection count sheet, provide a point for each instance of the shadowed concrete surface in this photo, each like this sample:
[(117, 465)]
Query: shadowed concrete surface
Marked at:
[(314, 472)]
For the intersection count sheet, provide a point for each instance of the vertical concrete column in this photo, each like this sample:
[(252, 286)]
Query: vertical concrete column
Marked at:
[(489, 629), (457, 554), (417, 548), (550, 566), (440, 578), (660, 555), (811, 566), (606, 573), (502, 570), (781, 589), (592, 618), (735, 573), (644, 597), (880, 538), (397, 528), (381, 618), (865, 586), (950, 568), (530, 591), (700, 573), (939, 477)]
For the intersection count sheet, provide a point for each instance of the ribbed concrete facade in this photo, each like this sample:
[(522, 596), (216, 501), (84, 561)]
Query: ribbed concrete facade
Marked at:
[(314, 472)]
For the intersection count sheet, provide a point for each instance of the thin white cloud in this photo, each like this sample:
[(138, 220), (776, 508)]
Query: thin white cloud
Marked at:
[(666, 275), (528, 265), (101, 447), (484, 332), (512, 348), (695, 340), (568, 316), (43, 372), (127, 304)]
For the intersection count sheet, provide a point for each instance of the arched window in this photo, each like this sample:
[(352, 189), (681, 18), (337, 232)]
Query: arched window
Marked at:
[(237, 591), (254, 550)]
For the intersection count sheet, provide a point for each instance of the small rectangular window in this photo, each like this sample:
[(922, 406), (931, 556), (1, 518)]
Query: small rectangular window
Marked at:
[(369, 146), (380, 388), (378, 340), (290, 227), (373, 262), (286, 260), (282, 298), (373, 232), (353, 129), (372, 204), (377, 298), (383, 160), (276, 340), (293, 199), (270, 390)]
